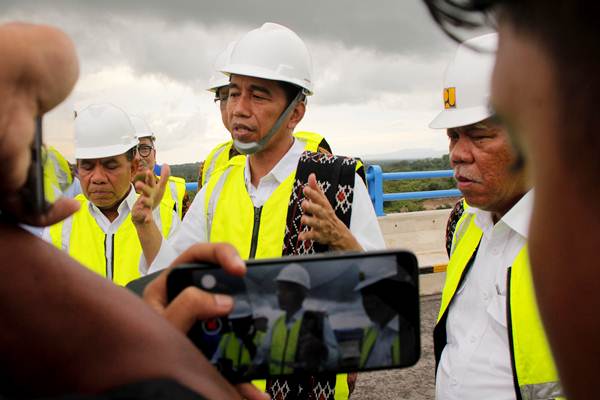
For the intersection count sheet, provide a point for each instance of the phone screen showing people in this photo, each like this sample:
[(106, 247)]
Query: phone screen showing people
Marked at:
[(310, 315)]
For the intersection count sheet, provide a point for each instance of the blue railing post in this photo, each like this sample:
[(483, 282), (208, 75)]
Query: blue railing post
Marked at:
[(375, 180)]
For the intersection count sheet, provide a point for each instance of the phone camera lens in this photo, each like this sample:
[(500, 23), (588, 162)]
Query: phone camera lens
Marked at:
[(208, 281)]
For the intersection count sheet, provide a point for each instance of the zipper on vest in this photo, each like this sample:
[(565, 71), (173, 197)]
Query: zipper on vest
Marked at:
[(255, 228), (511, 343), (109, 256)]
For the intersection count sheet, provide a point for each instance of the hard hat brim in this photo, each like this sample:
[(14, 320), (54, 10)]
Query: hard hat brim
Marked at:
[(214, 86), (454, 118), (263, 73), (102, 152)]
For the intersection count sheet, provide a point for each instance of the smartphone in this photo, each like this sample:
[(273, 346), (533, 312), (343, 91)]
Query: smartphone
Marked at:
[(32, 193), (309, 315)]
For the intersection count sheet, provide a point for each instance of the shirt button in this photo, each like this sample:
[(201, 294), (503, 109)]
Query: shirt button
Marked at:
[(486, 296), (495, 251), (454, 382), (472, 339)]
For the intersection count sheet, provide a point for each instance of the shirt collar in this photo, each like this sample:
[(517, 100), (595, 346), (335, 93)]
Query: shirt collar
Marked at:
[(283, 168), (517, 218)]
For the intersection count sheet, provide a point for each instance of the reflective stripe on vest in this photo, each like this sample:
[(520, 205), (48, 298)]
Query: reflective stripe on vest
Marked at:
[(533, 365), (172, 201), (369, 339), (175, 191), (57, 174), (283, 346), (216, 159), (115, 256), (233, 350)]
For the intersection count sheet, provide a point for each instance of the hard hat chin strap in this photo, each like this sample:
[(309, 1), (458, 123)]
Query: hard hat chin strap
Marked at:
[(254, 147)]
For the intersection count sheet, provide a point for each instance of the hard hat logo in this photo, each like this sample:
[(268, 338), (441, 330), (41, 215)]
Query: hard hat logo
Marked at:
[(450, 97)]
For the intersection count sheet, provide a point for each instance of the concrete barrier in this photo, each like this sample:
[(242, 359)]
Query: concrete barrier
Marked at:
[(423, 233)]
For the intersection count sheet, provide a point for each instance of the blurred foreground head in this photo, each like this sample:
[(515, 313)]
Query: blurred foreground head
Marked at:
[(38, 69)]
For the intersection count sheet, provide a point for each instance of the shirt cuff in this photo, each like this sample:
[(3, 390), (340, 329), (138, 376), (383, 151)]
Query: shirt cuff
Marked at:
[(165, 256)]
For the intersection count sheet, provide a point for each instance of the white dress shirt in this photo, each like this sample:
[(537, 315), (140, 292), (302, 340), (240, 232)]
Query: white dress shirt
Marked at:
[(475, 364), (363, 221)]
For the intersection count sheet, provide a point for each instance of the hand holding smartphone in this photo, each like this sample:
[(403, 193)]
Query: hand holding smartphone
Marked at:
[(308, 315)]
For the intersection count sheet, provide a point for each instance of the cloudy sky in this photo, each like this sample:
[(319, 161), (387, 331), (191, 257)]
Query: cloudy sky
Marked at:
[(378, 68)]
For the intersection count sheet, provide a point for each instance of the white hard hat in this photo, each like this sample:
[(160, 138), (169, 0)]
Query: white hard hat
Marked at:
[(219, 79), (467, 84), (294, 273), (241, 309), (272, 52), (374, 272), (141, 127), (103, 130)]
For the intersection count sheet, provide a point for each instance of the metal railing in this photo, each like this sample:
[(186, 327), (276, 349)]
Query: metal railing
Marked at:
[(375, 178)]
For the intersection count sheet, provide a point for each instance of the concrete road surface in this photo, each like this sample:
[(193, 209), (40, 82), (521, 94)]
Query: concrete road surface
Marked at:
[(415, 383)]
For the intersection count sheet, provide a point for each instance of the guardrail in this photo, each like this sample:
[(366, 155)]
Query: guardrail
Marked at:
[(376, 176), (375, 179)]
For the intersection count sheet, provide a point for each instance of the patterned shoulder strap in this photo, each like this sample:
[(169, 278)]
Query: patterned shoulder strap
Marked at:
[(335, 176), (453, 218)]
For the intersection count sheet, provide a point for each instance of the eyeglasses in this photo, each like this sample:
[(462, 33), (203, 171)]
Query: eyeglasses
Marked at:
[(222, 94), (144, 150)]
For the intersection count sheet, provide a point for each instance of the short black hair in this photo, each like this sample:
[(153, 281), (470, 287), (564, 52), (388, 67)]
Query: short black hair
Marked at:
[(291, 90), (130, 154), (568, 32)]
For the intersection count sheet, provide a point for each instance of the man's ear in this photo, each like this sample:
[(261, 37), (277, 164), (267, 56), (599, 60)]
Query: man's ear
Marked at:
[(297, 115)]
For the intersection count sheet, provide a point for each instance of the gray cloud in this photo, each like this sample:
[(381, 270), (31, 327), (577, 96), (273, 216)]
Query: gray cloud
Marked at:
[(368, 56), (402, 27)]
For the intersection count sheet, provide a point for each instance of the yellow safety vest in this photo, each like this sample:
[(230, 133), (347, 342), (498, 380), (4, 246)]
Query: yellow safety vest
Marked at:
[(369, 339), (284, 343), (57, 174), (174, 194), (232, 218), (219, 156), (233, 350), (534, 370), (115, 256)]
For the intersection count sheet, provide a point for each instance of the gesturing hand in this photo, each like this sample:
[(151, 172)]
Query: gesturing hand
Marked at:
[(325, 226), (151, 194)]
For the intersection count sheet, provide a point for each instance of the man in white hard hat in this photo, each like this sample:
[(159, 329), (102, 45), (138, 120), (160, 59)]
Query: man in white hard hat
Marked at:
[(488, 335), (247, 202), (293, 341), (386, 295), (238, 347), (284, 198), (219, 156), (175, 197), (101, 235)]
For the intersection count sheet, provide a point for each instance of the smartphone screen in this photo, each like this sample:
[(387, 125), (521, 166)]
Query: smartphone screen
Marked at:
[(308, 315)]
